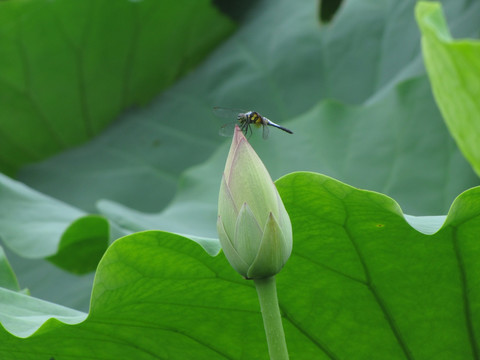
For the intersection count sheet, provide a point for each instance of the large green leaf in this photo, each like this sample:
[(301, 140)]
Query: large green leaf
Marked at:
[(68, 68), (380, 286), (361, 284), (454, 70)]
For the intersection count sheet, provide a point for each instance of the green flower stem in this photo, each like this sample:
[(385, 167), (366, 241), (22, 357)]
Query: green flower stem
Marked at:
[(272, 321)]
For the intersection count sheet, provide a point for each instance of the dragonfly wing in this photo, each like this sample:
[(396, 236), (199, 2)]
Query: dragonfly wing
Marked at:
[(226, 112), (266, 131), (227, 129)]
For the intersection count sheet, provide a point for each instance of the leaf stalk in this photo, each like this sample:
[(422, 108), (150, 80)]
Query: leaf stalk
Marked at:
[(272, 320)]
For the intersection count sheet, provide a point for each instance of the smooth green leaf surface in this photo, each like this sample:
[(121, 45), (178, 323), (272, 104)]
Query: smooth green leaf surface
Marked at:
[(68, 68), (156, 295), (36, 226), (377, 284), (361, 284), (23, 315), (454, 71), (46, 281), (8, 279), (82, 245)]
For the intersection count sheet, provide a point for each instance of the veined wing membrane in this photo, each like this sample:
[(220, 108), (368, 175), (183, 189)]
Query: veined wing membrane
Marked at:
[(227, 129), (227, 113)]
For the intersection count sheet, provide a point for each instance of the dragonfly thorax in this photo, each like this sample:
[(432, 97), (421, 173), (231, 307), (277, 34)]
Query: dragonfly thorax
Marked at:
[(252, 117)]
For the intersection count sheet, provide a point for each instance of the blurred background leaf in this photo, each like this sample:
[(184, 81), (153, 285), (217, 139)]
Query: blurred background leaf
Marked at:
[(8, 279), (70, 67), (453, 69)]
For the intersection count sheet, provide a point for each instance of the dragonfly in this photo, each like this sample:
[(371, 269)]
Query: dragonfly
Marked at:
[(246, 119)]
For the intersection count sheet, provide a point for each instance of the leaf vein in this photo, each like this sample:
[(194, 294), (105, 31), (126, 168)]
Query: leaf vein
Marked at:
[(378, 299), (466, 300)]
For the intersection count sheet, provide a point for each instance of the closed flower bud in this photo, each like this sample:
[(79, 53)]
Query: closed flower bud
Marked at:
[(253, 226)]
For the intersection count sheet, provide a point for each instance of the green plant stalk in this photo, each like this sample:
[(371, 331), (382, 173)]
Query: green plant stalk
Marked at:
[(272, 321)]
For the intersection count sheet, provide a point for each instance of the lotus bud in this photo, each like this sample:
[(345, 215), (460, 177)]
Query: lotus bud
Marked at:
[(253, 226)]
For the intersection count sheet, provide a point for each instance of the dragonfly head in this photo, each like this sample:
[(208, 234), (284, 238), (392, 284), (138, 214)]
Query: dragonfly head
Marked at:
[(241, 117)]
